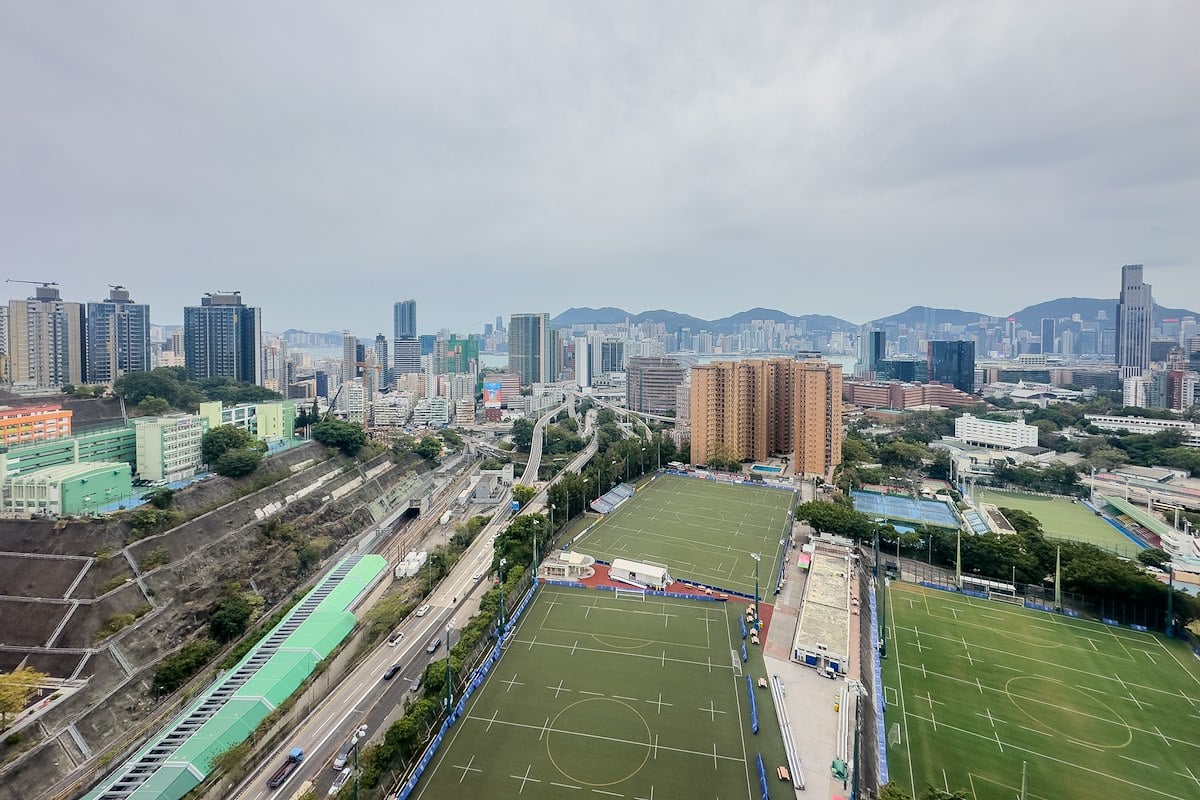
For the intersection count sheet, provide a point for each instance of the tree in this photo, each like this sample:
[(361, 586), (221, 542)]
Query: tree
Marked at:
[(1107, 458), (223, 438), (522, 433), (402, 445), (429, 448), (902, 454), (231, 616), (345, 436), (1154, 557), (451, 438), (856, 450), (153, 406), (161, 498), (238, 463), (16, 689), (523, 494)]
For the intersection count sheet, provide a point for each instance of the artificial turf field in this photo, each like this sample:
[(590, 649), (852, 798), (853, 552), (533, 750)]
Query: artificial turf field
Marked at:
[(703, 530), (1062, 519), (976, 687), (597, 695)]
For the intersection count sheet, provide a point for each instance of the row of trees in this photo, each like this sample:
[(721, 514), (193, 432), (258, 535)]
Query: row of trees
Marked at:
[(166, 388), (1026, 555)]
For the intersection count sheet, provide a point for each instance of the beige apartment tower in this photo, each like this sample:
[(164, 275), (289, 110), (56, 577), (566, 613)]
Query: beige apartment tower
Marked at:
[(750, 409)]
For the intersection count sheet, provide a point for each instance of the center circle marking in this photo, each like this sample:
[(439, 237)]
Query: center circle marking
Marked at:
[(554, 723), (1090, 701)]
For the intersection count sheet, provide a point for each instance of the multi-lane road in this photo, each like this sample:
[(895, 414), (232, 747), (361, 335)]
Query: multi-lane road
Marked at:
[(363, 697)]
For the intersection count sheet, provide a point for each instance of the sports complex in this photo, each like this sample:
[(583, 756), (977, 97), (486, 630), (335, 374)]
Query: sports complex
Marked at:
[(1063, 519), (978, 690), (629, 693), (704, 530), (618, 695)]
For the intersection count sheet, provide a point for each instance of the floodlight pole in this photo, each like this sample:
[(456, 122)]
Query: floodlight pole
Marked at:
[(500, 627), (1058, 579), (1170, 600), (535, 548), (449, 683)]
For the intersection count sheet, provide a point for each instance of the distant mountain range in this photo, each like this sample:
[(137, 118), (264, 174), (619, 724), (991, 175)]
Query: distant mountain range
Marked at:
[(1029, 317)]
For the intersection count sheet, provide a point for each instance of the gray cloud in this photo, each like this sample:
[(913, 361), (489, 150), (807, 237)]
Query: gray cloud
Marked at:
[(494, 158)]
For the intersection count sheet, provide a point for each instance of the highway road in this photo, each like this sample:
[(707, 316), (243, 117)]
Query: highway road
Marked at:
[(530, 476), (362, 696)]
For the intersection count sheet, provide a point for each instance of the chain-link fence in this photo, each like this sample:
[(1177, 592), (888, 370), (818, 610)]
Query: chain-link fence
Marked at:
[(1121, 611)]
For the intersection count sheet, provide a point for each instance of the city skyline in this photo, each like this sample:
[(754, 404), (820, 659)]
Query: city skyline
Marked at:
[(939, 154)]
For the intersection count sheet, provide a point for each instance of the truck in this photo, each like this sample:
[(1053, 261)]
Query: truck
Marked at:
[(280, 775)]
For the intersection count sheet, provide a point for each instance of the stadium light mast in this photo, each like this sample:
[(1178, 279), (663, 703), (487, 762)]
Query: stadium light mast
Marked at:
[(1170, 601), (449, 683), (500, 627), (535, 547), (756, 558)]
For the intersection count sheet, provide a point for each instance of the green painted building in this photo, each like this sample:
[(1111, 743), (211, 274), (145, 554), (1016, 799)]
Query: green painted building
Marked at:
[(110, 445), (68, 489), (273, 421)]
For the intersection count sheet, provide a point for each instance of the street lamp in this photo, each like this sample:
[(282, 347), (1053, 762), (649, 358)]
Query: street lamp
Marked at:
[(757, 558), (361, 733)]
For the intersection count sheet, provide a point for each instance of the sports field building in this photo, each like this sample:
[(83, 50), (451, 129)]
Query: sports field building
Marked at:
[(641, 575)]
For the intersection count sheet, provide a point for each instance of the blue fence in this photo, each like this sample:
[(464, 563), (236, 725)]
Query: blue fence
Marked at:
[(745, 655), (880, 700), (753, 703), (742, 622), (762, 778), (477, 678)]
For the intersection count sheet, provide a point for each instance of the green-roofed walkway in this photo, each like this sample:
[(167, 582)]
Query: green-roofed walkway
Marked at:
[(179, 757)]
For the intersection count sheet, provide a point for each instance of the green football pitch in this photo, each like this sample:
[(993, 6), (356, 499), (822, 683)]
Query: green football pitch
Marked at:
[(704, 531), (603, 695), (977, 688), (1062, 519)]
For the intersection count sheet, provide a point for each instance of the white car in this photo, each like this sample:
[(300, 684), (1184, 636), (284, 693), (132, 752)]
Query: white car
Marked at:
[(395, 638), (477, 577), (423, 610), (341, 780)]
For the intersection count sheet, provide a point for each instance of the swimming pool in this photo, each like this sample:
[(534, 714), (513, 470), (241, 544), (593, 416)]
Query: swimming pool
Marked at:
[(766, 468)]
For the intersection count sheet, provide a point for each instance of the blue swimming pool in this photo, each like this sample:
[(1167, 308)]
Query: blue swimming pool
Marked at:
[(766, 468)]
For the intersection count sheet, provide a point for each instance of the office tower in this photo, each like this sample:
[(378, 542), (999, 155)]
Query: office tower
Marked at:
[(583, 363), (222, 338), (406, 348), (954, 363), (747, 410), (873, 347), (1048, 335), (531, 348), (500, 324), (1135, 309), (381, 358), (350, 358), (612, 355), (651, 383), (118, 337), (45, 340), (462, 354)]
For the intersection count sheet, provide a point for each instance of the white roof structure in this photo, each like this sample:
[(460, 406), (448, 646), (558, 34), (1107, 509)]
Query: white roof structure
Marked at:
[(640, 568)]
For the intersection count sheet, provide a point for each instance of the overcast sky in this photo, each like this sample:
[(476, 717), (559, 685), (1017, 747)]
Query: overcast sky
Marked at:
[(842, 158)]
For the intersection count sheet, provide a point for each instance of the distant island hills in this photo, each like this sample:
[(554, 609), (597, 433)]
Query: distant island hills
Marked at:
[(1087, 308)]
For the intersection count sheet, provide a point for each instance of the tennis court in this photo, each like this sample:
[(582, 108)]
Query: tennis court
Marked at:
[(899, 507), (703, 530), (616, 696), (975, 688), (1062, 519)]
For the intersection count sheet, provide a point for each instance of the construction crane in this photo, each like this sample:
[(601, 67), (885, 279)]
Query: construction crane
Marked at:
[(43, 284)]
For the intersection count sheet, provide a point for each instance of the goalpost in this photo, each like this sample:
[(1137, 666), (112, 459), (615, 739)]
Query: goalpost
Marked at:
[(629, 594)]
